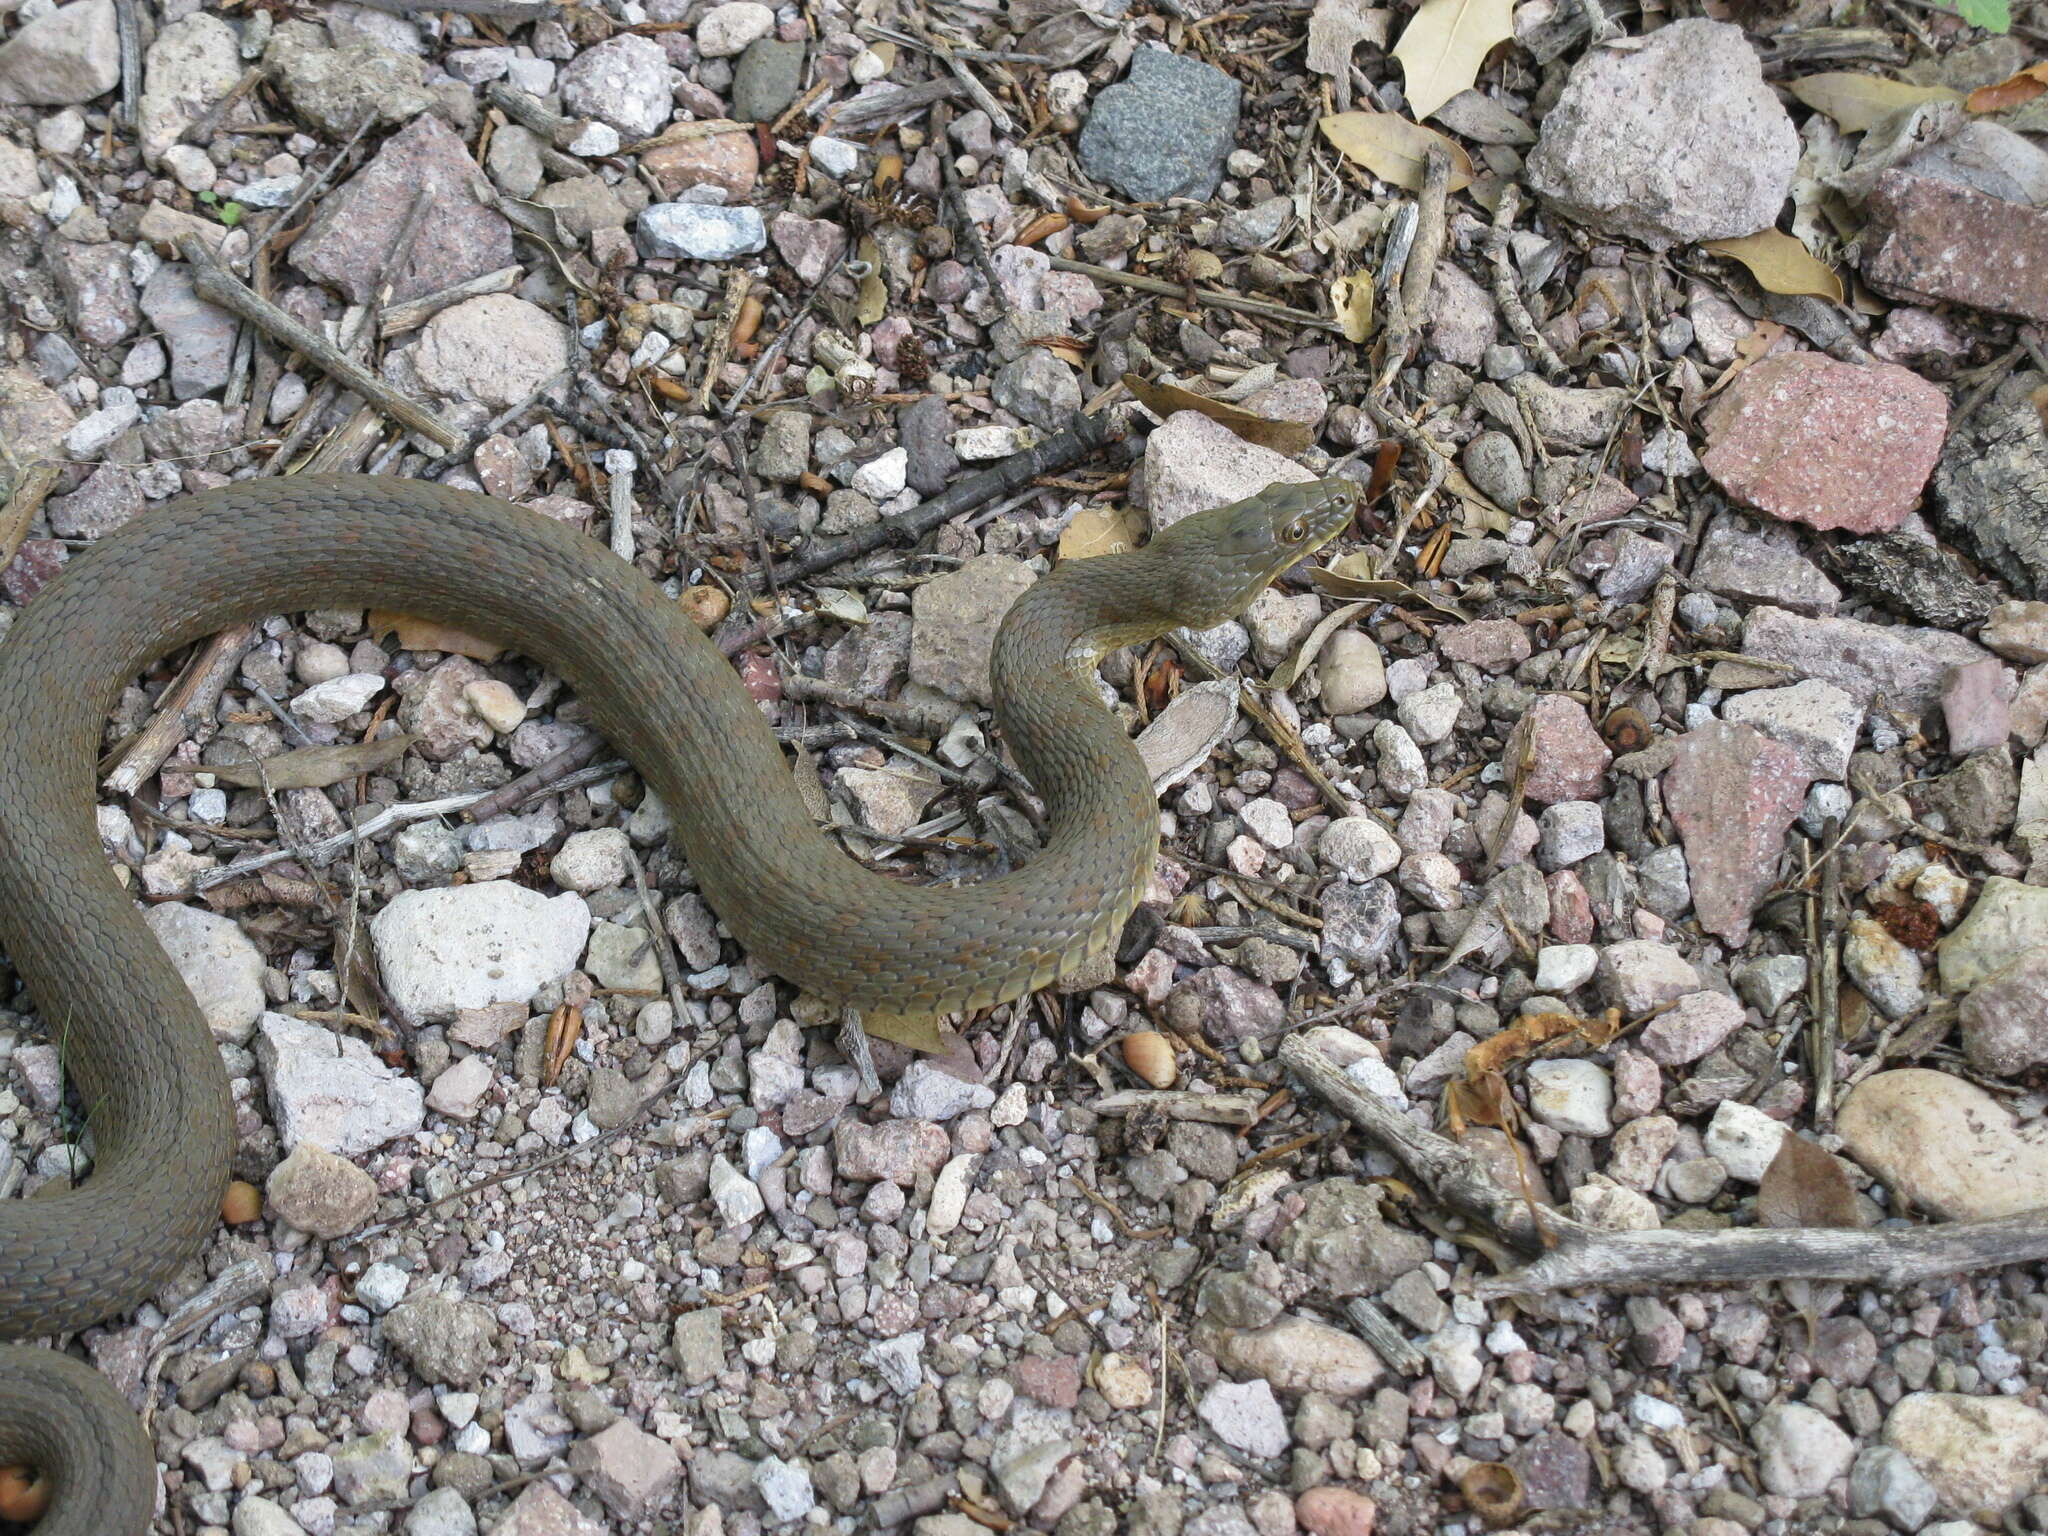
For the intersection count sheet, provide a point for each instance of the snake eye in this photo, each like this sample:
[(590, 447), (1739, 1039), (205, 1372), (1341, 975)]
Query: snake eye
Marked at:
[(1295, 531)]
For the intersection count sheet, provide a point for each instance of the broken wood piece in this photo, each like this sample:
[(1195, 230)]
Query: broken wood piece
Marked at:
[(214, 283)]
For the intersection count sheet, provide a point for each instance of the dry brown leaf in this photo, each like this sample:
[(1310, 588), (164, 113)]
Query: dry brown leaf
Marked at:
[(1444, 45), (1101, 530), (2020, 89), (1349, 578), (1531, 1032), (1288, 673), (1781, 264), (415, 634), (1859, 103), (1805, 1187), (1392, 148), (313, 767), (1752, 348), (1164, 399), (1351, 297)]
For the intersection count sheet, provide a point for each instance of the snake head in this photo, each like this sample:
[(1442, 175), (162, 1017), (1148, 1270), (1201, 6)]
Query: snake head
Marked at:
[(1219, 560)]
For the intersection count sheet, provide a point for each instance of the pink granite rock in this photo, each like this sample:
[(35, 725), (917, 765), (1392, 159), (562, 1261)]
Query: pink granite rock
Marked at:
[(1733, 792), (1566, 757), (1828, 444)]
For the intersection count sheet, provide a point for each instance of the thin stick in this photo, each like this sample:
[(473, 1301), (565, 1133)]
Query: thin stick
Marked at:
[(407, 314), (1088, 435), (203, 127), (217, 285), (19, 515), (515, 11), (1891, 1258), (664, 952), (191, 699), (1216, 298), (1417, 276), (1827, 989), (389, 819), (541, 776), (737, 283), (1507, 294)]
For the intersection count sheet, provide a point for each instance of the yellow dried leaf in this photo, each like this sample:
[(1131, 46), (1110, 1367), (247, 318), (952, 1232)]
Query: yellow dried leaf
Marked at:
[(1444, 45), (1101, 530), (1162, 400), (1392, 148), (919, 1034), (1351, 297), (416, 634), (1781, 264), (1859, 103)]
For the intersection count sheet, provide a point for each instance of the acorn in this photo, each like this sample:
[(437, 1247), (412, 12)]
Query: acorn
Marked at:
[(24, 1495), (243, 1203), (1150, 1054), (1625, 730), (705, 605)]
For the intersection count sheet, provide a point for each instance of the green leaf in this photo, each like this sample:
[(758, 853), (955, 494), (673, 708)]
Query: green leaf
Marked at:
[(1991, 15), (209, 197), (231, 214)]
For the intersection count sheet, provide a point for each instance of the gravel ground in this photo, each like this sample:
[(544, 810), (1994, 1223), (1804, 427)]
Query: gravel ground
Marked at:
[(1653, 801)]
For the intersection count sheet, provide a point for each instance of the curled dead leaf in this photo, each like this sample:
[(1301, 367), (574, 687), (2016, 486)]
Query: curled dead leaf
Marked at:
[(1392, 148), (416, 634), (1352, 300), (1163, 400), (2014, 92)]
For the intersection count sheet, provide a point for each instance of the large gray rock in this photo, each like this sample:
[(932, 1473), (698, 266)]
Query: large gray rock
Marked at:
[(1675, 141), (1164, 130), (62, 59), (1991, 487), (331, 1090), (474, 945)]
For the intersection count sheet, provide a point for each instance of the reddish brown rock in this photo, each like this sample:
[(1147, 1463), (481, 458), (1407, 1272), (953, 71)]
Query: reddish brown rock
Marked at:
[(1492, 645), (1334, 1511), (1935, 241), (346, 243), (1733, 792), (1566, 757), (728, 160), (1832, 445), (1055, 1382)]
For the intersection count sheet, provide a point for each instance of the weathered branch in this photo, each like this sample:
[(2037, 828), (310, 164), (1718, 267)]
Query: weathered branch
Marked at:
[(1581, 1256), (1086, 437), (217, 285)]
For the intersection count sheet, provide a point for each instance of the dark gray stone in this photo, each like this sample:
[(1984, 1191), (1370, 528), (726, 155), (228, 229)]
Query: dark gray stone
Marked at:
[(1164, 130), (1991, 487), (766, 80)]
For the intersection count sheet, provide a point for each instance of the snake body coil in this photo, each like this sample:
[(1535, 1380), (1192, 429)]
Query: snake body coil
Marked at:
[(135, 1043)]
